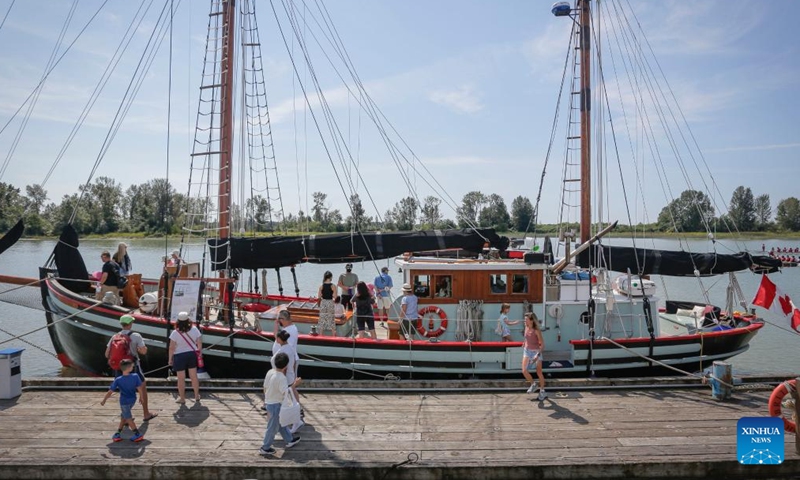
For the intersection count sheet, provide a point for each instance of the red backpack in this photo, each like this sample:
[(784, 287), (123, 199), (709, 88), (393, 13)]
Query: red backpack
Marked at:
[(119, 349)]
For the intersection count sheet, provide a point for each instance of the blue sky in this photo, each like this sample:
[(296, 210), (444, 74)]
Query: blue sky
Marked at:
[(470, 85)]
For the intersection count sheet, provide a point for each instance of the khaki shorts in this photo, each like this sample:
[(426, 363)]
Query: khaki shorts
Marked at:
[(384, 302)]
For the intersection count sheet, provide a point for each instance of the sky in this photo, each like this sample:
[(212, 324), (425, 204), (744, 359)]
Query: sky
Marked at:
[(469, 85)]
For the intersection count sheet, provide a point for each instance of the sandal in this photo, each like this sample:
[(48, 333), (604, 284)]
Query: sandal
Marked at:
[(150, 417)]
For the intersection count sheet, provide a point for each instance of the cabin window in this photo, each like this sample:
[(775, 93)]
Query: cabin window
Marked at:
[(444, 286), (519, 284), (422, 286), (498, 283)]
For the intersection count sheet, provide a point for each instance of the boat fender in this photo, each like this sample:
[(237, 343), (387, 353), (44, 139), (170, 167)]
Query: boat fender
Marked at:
[(148, 302), (556, 311), (430, 332), (255, 307), (775, 401)]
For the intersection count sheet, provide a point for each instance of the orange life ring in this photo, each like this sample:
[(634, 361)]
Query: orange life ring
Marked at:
[(775, 404), (430, 332)]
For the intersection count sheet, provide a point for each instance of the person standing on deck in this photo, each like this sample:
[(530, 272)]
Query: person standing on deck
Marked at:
[(503, 322), (365, 317), (383, 288), (109, 280), (347, 285), (122, 259), (532, 349), (325, 294), (137, 347), (409, 311)]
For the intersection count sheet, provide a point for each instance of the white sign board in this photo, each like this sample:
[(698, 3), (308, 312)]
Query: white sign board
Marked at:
[(185, 294)]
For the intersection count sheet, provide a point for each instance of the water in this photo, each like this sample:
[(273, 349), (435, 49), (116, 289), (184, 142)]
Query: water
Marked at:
[(773, 350)]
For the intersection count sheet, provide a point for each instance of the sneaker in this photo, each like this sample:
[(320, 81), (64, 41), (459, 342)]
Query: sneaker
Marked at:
[(137, 437), (294, 442), (296, 427), (268, 452), (542, 395), (116, 437), (533, 388)]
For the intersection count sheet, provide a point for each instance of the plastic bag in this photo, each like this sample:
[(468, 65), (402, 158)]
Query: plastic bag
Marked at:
[(290, 410)]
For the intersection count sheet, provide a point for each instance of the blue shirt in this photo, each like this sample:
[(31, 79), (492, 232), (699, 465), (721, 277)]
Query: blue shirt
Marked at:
[(127, 386), (382, 281), (410, 301)]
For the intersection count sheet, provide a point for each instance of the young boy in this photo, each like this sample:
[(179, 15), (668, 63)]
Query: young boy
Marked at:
[(275, 388), (128, 385)]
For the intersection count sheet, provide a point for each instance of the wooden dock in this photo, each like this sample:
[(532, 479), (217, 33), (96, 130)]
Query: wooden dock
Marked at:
[(612, 434)]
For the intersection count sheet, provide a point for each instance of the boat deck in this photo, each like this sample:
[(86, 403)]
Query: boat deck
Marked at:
[(643, 433)]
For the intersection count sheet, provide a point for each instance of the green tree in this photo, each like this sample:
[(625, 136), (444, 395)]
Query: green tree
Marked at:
[(741, 210), (471, 206), (104, 198), (521, 213), (495, 213), (319, 211), (404, 213), (763, 211), (12, 205), (358, 218), (59, 216), (37, 196), (431, 215), (788, 214), (691, 212)]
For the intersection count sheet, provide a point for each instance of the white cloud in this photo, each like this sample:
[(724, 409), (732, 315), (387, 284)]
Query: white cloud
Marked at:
[(463, 99)]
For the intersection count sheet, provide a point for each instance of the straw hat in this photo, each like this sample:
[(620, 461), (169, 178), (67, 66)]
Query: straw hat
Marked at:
[(407, 287)]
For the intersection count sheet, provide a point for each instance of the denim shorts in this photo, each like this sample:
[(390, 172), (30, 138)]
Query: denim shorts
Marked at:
[(126, 411), (532, 354)]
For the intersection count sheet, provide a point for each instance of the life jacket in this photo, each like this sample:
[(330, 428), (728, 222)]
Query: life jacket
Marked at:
[(120, 349)]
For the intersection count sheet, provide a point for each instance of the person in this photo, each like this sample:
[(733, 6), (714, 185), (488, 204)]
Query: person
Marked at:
[(338, 308), (174, 259), (285, 322), (122, 259), (137, 347), (383, 287), (365, 317), (443, 289), (763, 248), (127, 385), (109, 279), (275, 389), (503, 322), (326, 320), (281, 344), (409, 310), (347, 284), (184, 341), (532, 349)]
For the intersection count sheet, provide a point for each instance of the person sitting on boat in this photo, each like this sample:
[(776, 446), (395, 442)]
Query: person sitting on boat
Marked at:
[(325, 294), (122, 259), (347, 285), (109, 279), (409, 311), (338, 308), (365, 317), (383, 286)]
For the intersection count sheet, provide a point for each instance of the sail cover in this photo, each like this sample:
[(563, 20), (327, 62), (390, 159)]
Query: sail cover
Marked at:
[(644, 261), (69, 261), (274, 252)]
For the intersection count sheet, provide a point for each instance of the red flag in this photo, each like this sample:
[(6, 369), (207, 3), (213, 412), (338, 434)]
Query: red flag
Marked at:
[(772, 298)]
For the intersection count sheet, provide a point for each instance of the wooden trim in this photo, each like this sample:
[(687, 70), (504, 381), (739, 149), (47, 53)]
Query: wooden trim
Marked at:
[(474, 285)]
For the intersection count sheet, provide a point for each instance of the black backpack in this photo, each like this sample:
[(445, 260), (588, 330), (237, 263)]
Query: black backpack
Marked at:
[(122, 280)]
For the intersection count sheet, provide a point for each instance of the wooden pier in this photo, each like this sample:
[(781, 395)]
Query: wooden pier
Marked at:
[(613, 434)]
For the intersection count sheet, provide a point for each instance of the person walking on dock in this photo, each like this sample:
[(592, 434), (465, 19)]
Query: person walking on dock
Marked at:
[(127, 385), (383, 288), (347, 285), (282, 345), (276, 388), (136, 347), (284, 322), (532, 349), (184, 342)]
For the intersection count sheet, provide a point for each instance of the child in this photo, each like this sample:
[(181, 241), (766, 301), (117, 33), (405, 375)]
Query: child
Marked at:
[(532, 350), (128, 385), (275, 388), (503, 322), (338, 308)]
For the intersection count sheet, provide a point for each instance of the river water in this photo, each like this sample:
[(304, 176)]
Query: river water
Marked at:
[(775, 349)]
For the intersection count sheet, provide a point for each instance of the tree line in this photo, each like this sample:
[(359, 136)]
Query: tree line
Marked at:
[(156, 208)]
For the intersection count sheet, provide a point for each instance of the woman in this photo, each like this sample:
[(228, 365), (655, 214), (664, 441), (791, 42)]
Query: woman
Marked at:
[(325, 293), (184, 342), (362, 305), (122, 259), (532, 349)]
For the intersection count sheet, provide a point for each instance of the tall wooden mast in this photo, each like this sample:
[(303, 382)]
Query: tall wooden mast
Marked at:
[(226, 116), (586, 117)]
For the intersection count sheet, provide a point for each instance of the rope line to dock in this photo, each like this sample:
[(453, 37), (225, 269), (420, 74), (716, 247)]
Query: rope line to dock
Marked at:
[(29, 343), (48, 325)]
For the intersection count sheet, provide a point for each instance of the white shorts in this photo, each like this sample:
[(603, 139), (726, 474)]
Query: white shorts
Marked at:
[(384, 302)]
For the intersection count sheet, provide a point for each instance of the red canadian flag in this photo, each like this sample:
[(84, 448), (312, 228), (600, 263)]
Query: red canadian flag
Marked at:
[(772, 298)]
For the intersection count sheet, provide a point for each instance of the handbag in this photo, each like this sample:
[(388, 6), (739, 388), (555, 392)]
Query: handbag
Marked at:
[(290, 410), (201, 371)]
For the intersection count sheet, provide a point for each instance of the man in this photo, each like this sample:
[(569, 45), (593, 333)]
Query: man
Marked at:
[(383, 287), (410, 311), (109, 280), (347, 285), (137, 347)]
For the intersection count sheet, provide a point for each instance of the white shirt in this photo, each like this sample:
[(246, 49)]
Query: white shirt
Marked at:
[(293, 333), (275, 387), (291, 353), (181, 345)]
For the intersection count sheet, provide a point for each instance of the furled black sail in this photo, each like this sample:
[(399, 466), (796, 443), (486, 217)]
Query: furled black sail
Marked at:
[(11, 237), (273, 252), (69, 261), (644, 261)]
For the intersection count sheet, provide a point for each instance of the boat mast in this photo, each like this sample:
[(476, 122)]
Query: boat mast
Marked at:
[(226, 116), (586, 110)]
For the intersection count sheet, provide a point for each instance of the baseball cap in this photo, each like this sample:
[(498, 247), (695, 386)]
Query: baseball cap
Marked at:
[(126, 319)]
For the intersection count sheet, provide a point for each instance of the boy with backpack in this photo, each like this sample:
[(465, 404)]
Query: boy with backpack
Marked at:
[(128, 345), (127, 385)]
